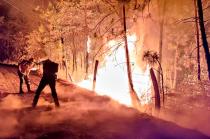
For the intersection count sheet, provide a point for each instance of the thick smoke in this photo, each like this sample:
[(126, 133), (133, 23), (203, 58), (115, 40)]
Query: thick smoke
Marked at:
[(82, 114)]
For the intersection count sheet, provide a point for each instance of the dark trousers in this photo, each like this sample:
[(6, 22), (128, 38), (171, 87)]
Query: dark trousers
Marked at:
[(46, 80), (27, 81)]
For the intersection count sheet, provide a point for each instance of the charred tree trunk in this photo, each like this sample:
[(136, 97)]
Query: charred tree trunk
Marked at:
[(175, 69), (156, 89), (65, 57), (160, 51), (134, 97), (74, 52), (86, 64), (81, 60), (66, 66), (160, 73), (197, 40), (95, 73), (203, 34), (162, 81), (73, 66), (75, 60), (70, 77)]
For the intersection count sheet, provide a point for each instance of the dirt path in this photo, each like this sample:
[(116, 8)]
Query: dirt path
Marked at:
[(9, 85), (9, 79)]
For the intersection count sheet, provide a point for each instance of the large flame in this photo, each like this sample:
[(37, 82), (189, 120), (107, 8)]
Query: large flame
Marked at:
[(112, 79)]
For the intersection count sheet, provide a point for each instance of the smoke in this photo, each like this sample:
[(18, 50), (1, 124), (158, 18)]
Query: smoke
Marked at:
[(188, 116), (82, 114), (11, 110), (147, 32), (78, 108), (8, 124), (11, 102)]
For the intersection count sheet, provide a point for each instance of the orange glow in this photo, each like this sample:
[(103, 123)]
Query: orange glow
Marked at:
[(112, 78), (88, 44)]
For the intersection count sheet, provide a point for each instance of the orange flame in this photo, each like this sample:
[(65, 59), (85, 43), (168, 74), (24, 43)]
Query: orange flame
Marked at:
[(112, 79)]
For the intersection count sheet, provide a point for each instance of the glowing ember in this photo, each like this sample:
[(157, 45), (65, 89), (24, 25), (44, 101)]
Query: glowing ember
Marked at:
[(112, 78)]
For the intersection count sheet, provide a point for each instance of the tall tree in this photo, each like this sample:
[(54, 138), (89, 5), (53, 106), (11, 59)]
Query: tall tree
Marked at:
[(197, 40), (152, 58), (203, 34), (134, 97), (86, 41), (162, 7)]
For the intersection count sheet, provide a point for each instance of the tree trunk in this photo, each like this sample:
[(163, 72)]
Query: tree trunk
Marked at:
[(86, 47), (65, 57), (66, 63), (156, 89), (86, 65), (75, 60), (95, 73), (73, 66), (175, 69), (197, 40), (162, 81), (81, 60), (134, 97), (203, 34), (74, 52), (162, 15)]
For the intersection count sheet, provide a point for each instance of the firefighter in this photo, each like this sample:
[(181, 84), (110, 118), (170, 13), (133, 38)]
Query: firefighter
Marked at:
[(24, 68), (49, 78)]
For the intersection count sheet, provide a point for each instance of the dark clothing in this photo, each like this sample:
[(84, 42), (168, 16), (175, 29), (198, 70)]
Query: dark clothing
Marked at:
[(24, 68), (27, 81), (50, 68), (49, 78)]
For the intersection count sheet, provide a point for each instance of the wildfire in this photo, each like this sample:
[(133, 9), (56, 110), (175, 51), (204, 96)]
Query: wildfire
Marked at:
[(112, 78)]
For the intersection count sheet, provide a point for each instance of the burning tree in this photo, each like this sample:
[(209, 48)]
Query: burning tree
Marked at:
[(75, 21), (71, 21), (134, 96)]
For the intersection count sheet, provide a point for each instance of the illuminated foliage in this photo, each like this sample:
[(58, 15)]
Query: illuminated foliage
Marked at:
[(12, 36), (75, 21)]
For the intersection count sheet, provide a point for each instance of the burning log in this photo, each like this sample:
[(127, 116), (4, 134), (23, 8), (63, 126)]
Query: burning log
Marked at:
[(156, 89), (94, 76)]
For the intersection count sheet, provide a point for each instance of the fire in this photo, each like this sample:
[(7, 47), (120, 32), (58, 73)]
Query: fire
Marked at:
[(112, 79)]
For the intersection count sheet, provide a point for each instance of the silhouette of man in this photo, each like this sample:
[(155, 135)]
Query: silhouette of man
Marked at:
[(49, 78), (24, 68)]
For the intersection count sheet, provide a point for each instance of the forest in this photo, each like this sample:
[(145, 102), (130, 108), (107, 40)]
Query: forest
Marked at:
[(152, 55)]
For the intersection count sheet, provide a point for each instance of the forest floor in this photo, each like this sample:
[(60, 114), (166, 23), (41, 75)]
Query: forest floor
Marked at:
[(84, 115), (189, 106)]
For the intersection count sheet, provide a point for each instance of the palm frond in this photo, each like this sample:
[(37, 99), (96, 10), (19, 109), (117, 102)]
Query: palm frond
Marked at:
[(151, 57)]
